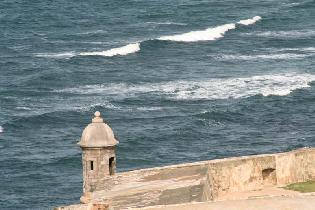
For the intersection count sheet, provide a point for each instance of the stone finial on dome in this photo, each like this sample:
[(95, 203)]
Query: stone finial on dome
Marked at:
[(97, 134), (97, 117)]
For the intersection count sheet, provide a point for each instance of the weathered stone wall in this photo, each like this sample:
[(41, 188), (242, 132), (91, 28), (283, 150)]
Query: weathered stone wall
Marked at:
[(90, 206), (286, 168), (100, 158), (204, 181), (255, 172), (305, 165), (240, 174), (163, 185), (295, 166), (208, 185)]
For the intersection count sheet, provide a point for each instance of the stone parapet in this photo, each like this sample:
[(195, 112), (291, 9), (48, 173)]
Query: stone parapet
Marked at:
[(90, 206), (204, 181)]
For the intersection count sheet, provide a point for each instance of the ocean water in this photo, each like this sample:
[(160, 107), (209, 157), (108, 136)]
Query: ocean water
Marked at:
[(178, 81)]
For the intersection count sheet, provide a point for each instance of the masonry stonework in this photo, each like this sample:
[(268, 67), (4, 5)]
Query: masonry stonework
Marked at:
[(98, 154), (203, 181)]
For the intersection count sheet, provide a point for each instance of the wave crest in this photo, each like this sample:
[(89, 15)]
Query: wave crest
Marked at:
[(195, 36), (125, 50), (249, 21), (192, 36)]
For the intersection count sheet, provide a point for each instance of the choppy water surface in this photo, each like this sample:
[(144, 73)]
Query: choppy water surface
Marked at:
[(178, 81)]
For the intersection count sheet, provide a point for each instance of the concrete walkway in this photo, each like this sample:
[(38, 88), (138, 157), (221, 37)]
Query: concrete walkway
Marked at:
[(271, 203)]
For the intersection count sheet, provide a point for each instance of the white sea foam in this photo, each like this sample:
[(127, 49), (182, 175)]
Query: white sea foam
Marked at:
[(305, 49), (292, 4), (93, 32), (208, 34), (105, 104), (167, 23), (128, 49), (56, 55), (205, 35), (70, 104), (284, 34), (280, 56), (278, 84), (249, 21), (149, 108), (23, 108), (1, 129), (125, 50)]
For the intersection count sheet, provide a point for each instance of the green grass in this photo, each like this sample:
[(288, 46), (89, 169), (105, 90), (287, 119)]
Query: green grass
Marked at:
[(303, 187)]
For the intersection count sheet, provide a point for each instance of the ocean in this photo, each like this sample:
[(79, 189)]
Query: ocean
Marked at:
[(178, 81)]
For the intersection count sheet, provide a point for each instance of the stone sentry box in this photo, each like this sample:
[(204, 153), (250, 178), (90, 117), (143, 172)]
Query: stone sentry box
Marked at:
[(98, 153)]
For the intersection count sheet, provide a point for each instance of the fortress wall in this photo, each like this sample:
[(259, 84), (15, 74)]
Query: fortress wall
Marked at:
[(304, 165), (207, 184), (154, 174), (163, 185), (91, 206), (214, 178), (73, 207), (240, 174), (286, 168), (206, 180), (295, 166), (311, 166), (255, 172)]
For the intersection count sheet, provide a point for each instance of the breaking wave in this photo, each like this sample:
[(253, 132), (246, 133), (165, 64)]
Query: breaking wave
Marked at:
[(211, 89), (1, 129), (249, 21), (125, 50), (205, 35), (209, 34), (192, 36)]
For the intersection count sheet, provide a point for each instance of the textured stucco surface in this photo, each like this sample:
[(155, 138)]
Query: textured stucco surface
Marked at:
[(98, 154), (100, 157)]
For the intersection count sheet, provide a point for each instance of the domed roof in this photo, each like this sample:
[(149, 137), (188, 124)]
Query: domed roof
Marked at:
[(97, 134)]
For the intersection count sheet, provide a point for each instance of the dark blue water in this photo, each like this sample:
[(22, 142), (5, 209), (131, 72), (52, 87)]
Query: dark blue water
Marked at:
[(221, 90)]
